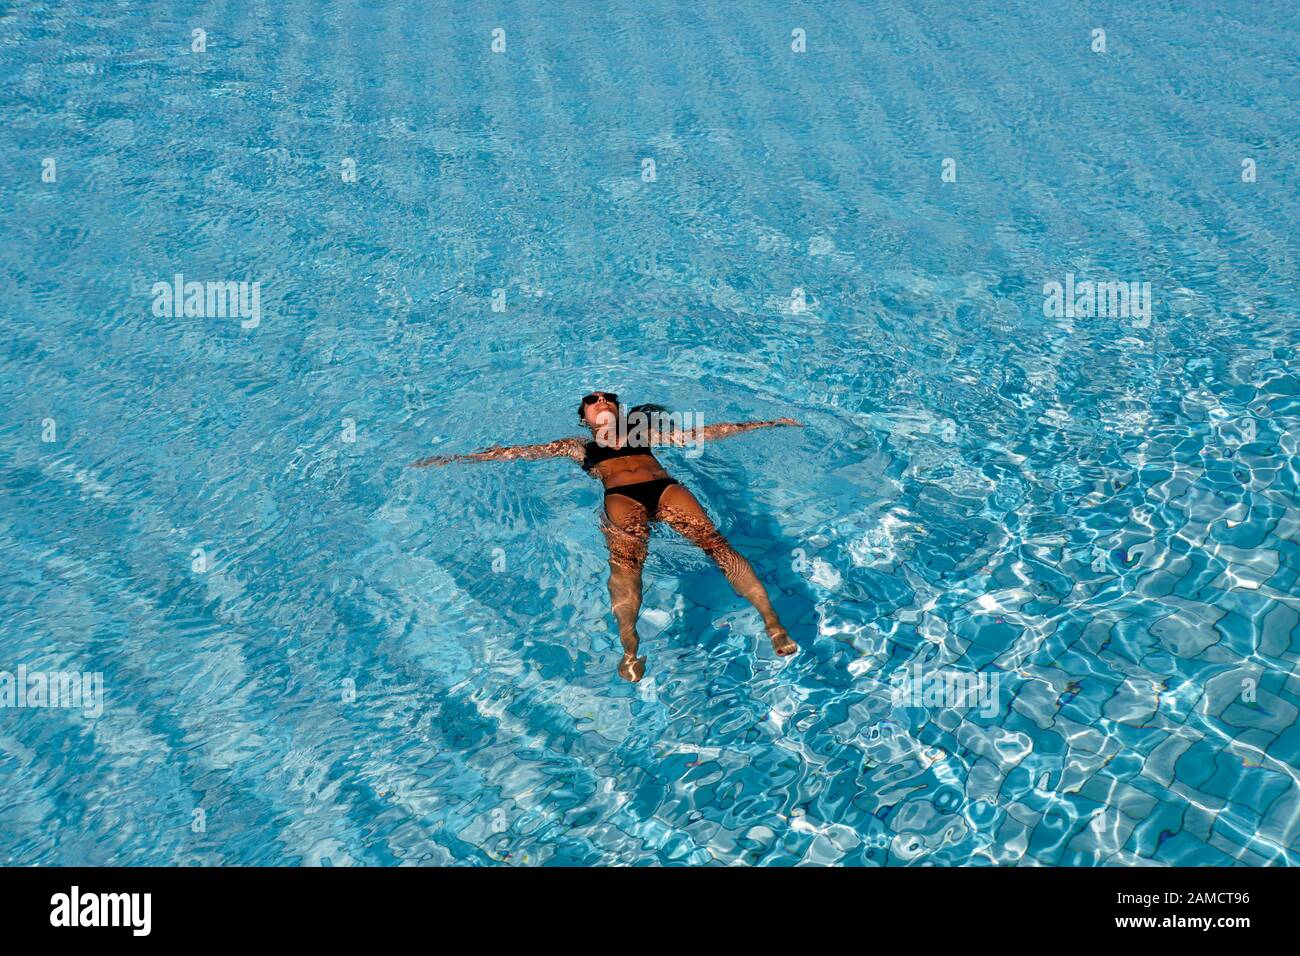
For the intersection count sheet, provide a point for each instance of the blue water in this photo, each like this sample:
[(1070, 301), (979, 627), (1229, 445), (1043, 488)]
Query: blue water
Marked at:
[(313, 654)]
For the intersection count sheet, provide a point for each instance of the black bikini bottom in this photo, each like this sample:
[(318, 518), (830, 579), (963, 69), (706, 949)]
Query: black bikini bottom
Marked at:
[(646, 493)]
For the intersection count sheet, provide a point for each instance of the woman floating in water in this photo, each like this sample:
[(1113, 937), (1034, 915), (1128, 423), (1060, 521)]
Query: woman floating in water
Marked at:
[(638, 491)]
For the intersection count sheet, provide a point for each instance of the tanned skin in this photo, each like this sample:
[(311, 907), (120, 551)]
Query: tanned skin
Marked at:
[(627, 523)]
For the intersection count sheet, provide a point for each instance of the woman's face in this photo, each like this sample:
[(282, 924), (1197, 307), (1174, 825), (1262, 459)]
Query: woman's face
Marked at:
[(602, 410)]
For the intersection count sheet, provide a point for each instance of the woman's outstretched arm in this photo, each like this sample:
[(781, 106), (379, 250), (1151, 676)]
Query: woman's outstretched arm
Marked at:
[(721, 430), (560, 448)]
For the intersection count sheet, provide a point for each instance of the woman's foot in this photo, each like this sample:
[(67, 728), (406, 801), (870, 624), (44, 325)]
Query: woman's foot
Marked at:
[(631, 668), (782, 642)]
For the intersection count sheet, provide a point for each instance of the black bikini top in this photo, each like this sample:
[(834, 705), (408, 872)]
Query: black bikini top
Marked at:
[(594, 453)]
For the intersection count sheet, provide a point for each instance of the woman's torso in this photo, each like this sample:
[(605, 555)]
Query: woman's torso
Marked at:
[(616, 467)]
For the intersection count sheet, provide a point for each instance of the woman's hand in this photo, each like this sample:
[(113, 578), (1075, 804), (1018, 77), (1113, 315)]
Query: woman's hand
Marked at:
[(436, 461), (788, 421)]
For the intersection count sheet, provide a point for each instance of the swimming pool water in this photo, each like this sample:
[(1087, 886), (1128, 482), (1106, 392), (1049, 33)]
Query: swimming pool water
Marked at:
[(313, 654)]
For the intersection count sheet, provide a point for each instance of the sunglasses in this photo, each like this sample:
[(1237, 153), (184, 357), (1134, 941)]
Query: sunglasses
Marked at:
[(597, 396)]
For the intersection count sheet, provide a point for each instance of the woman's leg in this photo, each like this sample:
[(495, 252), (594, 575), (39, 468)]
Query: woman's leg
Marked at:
[(684, 515), (627, 532)]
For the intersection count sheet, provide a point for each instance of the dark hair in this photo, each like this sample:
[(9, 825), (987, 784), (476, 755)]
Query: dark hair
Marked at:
[(647, 409), (656, 415)]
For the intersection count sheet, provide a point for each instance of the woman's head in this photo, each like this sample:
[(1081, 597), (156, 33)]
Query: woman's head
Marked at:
[(600, 411), (598, 408)]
